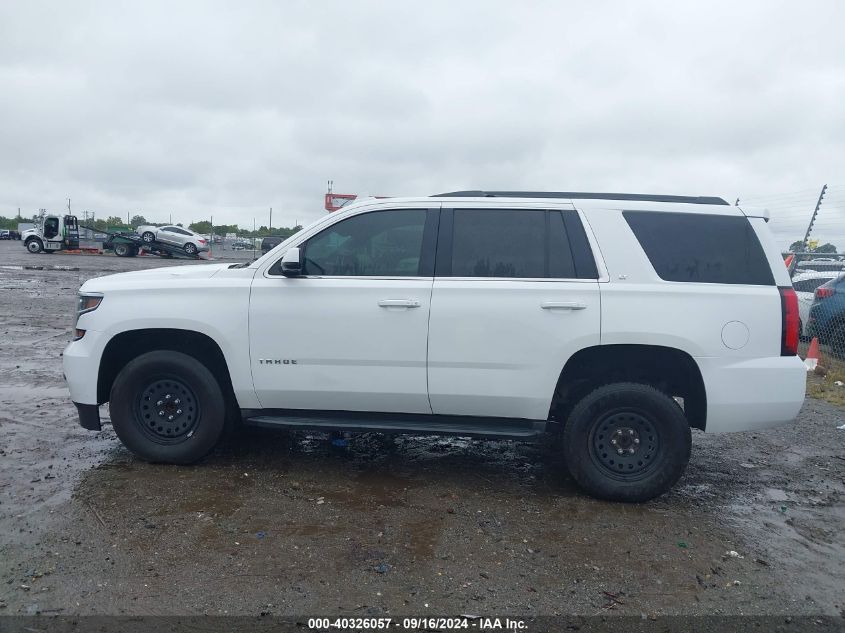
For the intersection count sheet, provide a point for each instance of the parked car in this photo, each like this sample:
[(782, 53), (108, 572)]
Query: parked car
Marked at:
[(609, 325), (190, 241), (241, 245), (271, 242), (5, 235), (805, 285), (827, 315), (14, 235)]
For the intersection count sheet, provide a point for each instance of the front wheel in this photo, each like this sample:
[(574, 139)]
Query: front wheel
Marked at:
[(148, 237), (627, 442), (168, 407), (34, 245), (190, 249)]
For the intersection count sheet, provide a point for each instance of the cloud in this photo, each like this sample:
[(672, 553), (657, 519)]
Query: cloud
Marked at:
[(224, 109)]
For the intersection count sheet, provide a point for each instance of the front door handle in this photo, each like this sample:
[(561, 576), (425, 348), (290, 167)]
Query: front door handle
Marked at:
[(399, 303), (563, 305)]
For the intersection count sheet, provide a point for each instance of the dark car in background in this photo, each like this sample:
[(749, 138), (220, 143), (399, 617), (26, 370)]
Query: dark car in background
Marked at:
[(827, 315), (270, 242), (5, 235)]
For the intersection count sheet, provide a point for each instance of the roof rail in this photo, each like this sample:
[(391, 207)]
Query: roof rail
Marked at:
[(577, 195)]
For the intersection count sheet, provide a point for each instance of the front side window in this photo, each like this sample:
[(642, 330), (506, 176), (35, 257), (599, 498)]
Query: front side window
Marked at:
[(375, 244), (51, 227)]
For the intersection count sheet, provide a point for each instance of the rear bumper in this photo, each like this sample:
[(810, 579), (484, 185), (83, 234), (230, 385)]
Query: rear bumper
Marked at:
[(89, 416), (751, 394)]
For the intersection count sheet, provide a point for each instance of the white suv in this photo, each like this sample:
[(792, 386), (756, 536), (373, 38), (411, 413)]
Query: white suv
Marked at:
[(615, 321)]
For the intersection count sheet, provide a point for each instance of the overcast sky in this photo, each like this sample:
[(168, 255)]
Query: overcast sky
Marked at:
[(226, 109)]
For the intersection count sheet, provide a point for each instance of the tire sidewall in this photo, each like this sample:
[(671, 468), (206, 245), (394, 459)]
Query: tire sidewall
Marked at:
[(151, 237), (190, 249), (669, 422), (121, 250), (35, 241), (136, 375)]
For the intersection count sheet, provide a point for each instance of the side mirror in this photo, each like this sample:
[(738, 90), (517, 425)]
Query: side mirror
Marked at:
[(292, 263)]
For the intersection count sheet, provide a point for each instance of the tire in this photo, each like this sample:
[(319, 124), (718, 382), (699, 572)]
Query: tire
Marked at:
[(190, 249), (645, 423), (148, 237), (185, 389), (123, 250), (34, 245)]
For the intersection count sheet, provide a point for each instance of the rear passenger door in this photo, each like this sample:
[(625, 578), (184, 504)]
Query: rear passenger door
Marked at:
[(515, 295)]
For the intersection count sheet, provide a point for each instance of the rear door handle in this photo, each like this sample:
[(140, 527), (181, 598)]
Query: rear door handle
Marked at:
[(563, 305), (399, 303)]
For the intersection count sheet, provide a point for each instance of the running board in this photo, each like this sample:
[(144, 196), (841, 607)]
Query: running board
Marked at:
[(344, 421)]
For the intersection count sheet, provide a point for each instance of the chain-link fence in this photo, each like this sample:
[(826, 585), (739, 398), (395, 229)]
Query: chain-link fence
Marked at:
[(809, 226)]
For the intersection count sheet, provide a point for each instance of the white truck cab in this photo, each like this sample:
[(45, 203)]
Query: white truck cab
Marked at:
[(53, 233), (616, 322)]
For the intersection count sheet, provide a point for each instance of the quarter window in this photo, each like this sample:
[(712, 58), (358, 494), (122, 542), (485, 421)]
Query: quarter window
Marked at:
[(704, 248), (375, 244)]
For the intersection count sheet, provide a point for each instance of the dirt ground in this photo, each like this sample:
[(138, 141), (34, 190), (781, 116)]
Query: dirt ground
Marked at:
[(289, 524)]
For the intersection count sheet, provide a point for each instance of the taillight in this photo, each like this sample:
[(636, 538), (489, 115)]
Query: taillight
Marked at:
[(201, 241), (789, 314), (823, 292)]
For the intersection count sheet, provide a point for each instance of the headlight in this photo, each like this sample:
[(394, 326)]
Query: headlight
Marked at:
[(86, 303)]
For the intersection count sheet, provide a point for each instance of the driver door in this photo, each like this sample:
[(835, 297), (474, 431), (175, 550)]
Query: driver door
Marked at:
[(351, 332)]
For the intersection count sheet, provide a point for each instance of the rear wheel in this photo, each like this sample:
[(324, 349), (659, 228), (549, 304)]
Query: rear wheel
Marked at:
[(627, 442), (123, 250), (148, 237), (34, 245), (167, 406), (190, 249)]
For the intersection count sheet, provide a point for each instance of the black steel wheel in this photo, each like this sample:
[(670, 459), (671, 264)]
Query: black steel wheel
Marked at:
[(167, 410), (627, 442), (167, 406)]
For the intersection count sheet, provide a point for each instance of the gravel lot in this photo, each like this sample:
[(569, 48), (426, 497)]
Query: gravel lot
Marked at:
[(288, 524)]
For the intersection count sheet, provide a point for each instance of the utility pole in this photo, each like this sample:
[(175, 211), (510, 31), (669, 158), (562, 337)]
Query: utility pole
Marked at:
[(809, 230), (68, 206), (271, 220)]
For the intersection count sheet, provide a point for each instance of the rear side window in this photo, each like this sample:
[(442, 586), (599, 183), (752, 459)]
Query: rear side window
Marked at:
[(517, 243), (809, 285), (701, 248)]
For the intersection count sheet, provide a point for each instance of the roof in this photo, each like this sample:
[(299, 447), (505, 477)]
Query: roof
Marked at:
[(580, 195)]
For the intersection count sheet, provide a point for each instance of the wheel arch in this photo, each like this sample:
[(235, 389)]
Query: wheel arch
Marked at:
[(668, 369), (129, 344)]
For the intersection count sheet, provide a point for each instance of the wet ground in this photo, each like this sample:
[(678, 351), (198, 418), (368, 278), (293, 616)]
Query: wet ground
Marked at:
[(289, 524)]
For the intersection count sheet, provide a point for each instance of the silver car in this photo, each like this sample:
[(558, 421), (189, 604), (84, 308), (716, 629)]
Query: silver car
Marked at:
[(174, 236)]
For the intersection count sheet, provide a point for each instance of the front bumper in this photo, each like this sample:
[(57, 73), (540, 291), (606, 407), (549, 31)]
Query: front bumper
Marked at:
[(81, 366)]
